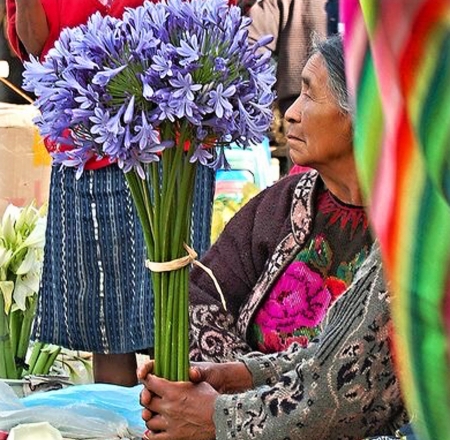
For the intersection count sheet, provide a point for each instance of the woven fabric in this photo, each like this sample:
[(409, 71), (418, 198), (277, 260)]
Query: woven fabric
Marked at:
[(398, 68), (95, 293)]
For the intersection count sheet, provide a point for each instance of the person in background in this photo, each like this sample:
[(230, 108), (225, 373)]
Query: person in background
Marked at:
[(293, 24), (95, 293), (303, 285)]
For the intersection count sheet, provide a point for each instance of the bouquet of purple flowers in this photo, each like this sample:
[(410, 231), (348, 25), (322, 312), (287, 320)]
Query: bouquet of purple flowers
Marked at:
[(167, 86)]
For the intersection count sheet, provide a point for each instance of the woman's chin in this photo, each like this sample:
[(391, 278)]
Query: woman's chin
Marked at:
[(298, 158)]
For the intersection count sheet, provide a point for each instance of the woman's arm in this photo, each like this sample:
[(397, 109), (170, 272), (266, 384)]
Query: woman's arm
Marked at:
[(344, 387), (27, 22), (31, 25)]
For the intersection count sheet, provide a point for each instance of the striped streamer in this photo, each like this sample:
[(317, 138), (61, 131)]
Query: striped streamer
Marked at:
[(398, 68)]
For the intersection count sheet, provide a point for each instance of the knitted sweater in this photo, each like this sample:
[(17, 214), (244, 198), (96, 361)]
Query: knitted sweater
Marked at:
[(238, 260), (342, 386)]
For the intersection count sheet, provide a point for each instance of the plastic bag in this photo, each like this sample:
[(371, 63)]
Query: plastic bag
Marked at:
[(95, 411)]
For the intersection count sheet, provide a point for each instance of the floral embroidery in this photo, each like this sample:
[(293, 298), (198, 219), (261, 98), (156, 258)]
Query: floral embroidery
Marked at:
[(343, 215), (298, 299), (321, 272), (336, 287)]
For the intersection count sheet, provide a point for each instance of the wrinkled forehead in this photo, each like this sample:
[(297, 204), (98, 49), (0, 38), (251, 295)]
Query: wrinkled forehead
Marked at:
[(315, 73)]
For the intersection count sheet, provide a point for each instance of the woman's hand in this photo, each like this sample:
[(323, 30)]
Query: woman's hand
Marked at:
[(184, 410), (178, 410), (229, 377)]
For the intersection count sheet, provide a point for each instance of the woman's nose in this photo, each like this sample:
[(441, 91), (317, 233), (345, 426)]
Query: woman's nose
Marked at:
[(293, 113)]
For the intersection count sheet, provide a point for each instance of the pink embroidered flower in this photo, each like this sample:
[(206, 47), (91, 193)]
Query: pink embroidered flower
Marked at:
[(297, 300)]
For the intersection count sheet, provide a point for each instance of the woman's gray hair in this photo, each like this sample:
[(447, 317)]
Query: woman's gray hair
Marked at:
[(332, 51)]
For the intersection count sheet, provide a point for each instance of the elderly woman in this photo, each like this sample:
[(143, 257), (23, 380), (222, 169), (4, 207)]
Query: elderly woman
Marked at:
[(299, 247), (294, 249)]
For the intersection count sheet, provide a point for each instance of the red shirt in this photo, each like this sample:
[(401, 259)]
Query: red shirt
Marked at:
[(61, 14)]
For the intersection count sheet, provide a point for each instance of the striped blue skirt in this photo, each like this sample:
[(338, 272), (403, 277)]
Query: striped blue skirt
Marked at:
[(95, 292)]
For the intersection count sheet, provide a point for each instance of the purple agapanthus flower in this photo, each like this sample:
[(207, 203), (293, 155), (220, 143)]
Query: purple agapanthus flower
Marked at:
[(128, 83)]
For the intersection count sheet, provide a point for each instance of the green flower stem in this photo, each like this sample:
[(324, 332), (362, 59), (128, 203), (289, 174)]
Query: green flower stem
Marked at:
[(183, 336), (169, 207), (15, 327), (3, 336), (154, 255), (25, 331), (182, 227), (37, 347), (41, 362), (54, 352), (7, 364), (149, 208), (172, 319), (158, 313), (145, 215), (167, 327)]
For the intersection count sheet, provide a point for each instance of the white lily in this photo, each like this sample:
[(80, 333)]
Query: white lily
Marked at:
[(22, 237), (5, 258), (36, 238), (24, 287), (8, 223)]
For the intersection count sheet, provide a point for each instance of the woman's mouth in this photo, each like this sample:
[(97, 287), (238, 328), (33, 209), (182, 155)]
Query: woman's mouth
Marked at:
[(290, 137)]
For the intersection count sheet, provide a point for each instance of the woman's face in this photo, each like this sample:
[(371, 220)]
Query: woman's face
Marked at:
[(319, 133)]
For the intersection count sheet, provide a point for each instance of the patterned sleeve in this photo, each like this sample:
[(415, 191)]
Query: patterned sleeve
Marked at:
[(237, 260), (343, 387)]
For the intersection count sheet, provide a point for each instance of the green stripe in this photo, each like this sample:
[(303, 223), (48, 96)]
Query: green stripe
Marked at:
[(368, 125), (434, 120), (428, 339)]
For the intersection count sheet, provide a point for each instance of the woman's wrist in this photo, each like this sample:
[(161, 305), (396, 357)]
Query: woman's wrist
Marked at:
[(237, 377)]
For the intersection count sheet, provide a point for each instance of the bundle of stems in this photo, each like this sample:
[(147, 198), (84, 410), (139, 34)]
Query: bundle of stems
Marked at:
[(42, 358), (164, 204), (15, 331)]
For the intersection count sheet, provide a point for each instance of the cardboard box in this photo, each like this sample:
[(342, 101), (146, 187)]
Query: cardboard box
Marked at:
[(24, 161)]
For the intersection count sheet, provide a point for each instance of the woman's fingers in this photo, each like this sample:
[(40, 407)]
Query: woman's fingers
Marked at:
[(144, 370), (157, 423), (145, 397), (146, 415)]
